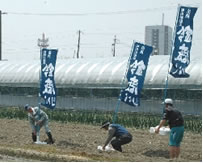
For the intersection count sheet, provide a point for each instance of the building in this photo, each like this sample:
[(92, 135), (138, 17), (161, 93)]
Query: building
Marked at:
[(160, 38)]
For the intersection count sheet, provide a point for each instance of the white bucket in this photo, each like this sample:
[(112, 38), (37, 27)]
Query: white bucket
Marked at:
[(152, 130), (107, 148), (162, 130)]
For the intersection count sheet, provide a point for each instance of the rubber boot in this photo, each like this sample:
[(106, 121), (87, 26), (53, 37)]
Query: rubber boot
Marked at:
[(50, 141), (34, 137)]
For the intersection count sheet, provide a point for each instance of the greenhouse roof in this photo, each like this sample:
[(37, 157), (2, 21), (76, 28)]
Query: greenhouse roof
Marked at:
[(98, 73)]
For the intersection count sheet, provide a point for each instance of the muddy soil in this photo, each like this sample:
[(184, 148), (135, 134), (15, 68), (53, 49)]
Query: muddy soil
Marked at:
[(78, 142)]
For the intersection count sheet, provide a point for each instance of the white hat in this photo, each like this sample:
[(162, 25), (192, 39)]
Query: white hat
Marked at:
[(168, 101)]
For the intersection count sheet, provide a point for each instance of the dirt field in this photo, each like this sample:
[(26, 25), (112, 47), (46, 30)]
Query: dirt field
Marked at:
[(76, 142)]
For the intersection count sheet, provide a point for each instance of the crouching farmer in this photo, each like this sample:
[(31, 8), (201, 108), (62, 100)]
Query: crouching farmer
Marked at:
[(37, 119), (122, 136)]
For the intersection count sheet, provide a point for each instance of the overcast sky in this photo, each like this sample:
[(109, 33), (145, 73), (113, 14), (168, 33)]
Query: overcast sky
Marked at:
[(99, 21)]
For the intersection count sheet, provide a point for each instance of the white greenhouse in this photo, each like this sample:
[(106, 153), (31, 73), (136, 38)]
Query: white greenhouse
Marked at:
[(96, 83)]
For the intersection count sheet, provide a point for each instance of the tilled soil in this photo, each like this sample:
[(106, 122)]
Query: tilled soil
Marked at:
[(78, 142), (6, 158)]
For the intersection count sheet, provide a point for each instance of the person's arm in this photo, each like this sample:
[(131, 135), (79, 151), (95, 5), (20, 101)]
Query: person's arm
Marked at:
[(32, 124), (42, 117), (163, 121), (111, 133)]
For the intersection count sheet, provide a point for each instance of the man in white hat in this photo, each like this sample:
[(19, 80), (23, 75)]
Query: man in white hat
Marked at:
[(176, 124), (37, 119)]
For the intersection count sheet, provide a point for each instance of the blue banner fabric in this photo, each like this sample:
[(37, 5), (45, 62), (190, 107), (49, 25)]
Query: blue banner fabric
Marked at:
[(183, 42), (47, 83), (138, 63)]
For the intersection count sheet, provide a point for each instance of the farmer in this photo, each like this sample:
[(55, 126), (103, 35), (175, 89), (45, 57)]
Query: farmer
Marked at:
[(37, 119), (176, 124), (122, 136)]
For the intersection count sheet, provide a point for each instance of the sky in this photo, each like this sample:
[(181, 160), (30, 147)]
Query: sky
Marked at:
[(98, 20)]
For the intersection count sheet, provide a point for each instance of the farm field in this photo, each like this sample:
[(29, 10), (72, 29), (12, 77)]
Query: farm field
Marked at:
[(78, 142)]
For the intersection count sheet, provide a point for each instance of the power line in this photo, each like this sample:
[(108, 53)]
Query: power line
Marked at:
[(95, 13), (108, 33)]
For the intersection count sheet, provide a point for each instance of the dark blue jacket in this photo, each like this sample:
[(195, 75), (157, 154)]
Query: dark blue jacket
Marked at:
[(120, 130)]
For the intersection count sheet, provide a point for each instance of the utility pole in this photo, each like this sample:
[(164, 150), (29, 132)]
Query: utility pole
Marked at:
[(0, 37), (114, 45), (1, 13), (43, 43), (78, 49)]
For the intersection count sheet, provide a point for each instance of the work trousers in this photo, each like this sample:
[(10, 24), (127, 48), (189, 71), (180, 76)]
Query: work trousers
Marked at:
[(121, 140), (44, 123)]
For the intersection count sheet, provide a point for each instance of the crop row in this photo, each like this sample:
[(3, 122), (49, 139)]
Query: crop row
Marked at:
[(129, 119)]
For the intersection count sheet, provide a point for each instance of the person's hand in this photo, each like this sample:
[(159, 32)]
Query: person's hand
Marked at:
[(39, 122), (157, 130)]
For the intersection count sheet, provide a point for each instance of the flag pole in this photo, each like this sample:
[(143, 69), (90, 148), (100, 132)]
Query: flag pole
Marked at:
[(170, 58), (122, 85), (42, 43), (39, 95)]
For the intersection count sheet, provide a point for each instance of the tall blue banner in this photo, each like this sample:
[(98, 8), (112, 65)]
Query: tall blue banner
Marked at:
[(183, 42), (138, 63), (47, 83)]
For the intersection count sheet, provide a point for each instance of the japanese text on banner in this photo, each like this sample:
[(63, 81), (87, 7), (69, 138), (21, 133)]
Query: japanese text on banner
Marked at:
[(47, 83), (183, 42), (136, 73)]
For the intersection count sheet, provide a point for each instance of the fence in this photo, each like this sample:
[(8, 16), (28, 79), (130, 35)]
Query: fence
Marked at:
[(193, 107)]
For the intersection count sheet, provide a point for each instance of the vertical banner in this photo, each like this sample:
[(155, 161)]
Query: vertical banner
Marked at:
[(138, 63), (47, 83), (183, 42)]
